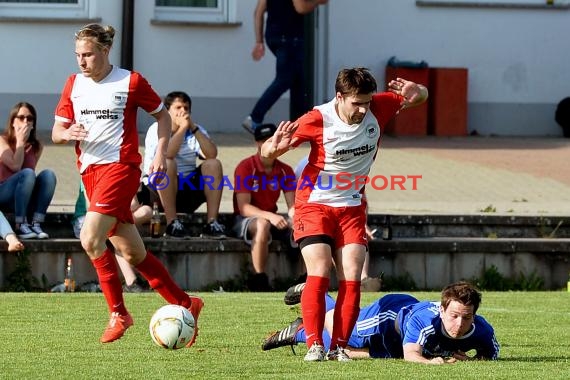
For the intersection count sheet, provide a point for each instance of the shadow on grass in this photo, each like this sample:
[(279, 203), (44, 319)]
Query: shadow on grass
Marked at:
[(536, 359)]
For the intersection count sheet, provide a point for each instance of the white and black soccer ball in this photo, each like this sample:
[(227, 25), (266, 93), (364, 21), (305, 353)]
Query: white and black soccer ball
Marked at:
[(172, 327)]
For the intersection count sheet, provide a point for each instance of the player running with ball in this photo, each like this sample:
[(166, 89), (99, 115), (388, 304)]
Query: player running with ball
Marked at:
[(329, 224), (97, 110)]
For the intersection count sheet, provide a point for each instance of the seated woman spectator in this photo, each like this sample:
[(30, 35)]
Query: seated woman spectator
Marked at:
[(14, 244), (21, 191)]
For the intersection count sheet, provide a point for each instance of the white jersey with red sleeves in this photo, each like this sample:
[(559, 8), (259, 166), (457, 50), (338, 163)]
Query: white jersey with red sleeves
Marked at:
[(341, 153), (108, 110)]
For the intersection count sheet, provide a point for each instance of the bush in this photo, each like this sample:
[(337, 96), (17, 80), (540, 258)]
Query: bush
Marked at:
[(398, 283), (492, 279), (21, 279)]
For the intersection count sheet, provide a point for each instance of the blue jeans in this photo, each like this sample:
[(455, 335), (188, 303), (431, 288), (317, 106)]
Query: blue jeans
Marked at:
[(289, 75), (25, 194), (5, 228)]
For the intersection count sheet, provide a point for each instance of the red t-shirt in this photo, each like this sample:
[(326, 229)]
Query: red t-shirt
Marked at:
[(30, 161), (250, 177)]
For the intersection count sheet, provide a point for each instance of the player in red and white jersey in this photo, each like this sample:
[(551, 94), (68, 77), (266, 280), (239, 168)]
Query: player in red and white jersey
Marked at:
[(97, 110), (330, 216), (108, 111)]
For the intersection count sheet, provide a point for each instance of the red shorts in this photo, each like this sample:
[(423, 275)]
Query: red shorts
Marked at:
[(110, 189), (345, 225)]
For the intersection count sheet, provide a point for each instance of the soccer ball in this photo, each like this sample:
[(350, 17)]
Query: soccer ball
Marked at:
[(171, 327)]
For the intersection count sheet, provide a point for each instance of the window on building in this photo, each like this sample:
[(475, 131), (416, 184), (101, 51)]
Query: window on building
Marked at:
[(45, 8), (215, 11)]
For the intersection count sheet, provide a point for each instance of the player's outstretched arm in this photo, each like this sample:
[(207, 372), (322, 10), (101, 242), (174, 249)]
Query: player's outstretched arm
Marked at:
[(413, 353)]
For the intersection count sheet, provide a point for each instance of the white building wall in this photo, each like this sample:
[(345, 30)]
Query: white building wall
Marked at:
[(38, 56), (213, 64), (518, 59)]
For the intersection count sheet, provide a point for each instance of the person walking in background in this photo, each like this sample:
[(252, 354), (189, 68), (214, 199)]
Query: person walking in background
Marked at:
[(285, 37), (330, 222), (14, 244), (258, 184), (21, 190), (201, 183), (97, 110)]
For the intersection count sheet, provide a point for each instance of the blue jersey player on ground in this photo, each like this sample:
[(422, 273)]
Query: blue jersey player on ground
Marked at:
[(400, 326)]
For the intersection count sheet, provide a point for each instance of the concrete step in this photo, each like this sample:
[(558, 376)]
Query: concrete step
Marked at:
[(482, 225), (377, 247), (197, 264), (432, 249), (58, 225), (472, 245)]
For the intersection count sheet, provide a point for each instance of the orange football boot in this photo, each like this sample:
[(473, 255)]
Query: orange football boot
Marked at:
[(116, 328)]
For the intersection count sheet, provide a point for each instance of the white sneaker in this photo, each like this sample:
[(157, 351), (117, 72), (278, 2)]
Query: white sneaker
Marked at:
[(315, 354), (25, 232), (249, 125), (338, 355), (38, 230)]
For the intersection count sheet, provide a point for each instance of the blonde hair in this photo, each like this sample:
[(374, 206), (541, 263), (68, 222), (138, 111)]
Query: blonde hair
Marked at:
[(101, 35)]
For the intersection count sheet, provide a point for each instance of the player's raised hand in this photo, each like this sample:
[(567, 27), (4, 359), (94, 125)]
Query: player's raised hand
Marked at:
[(412, 92), (281, 141)]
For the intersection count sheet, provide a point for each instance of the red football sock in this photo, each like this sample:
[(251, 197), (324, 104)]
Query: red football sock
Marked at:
[(313, 308), (345, 312), (108, 273), (159, 279)]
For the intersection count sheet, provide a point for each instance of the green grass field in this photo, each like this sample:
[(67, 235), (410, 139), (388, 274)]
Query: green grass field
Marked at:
[(51, 336)]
